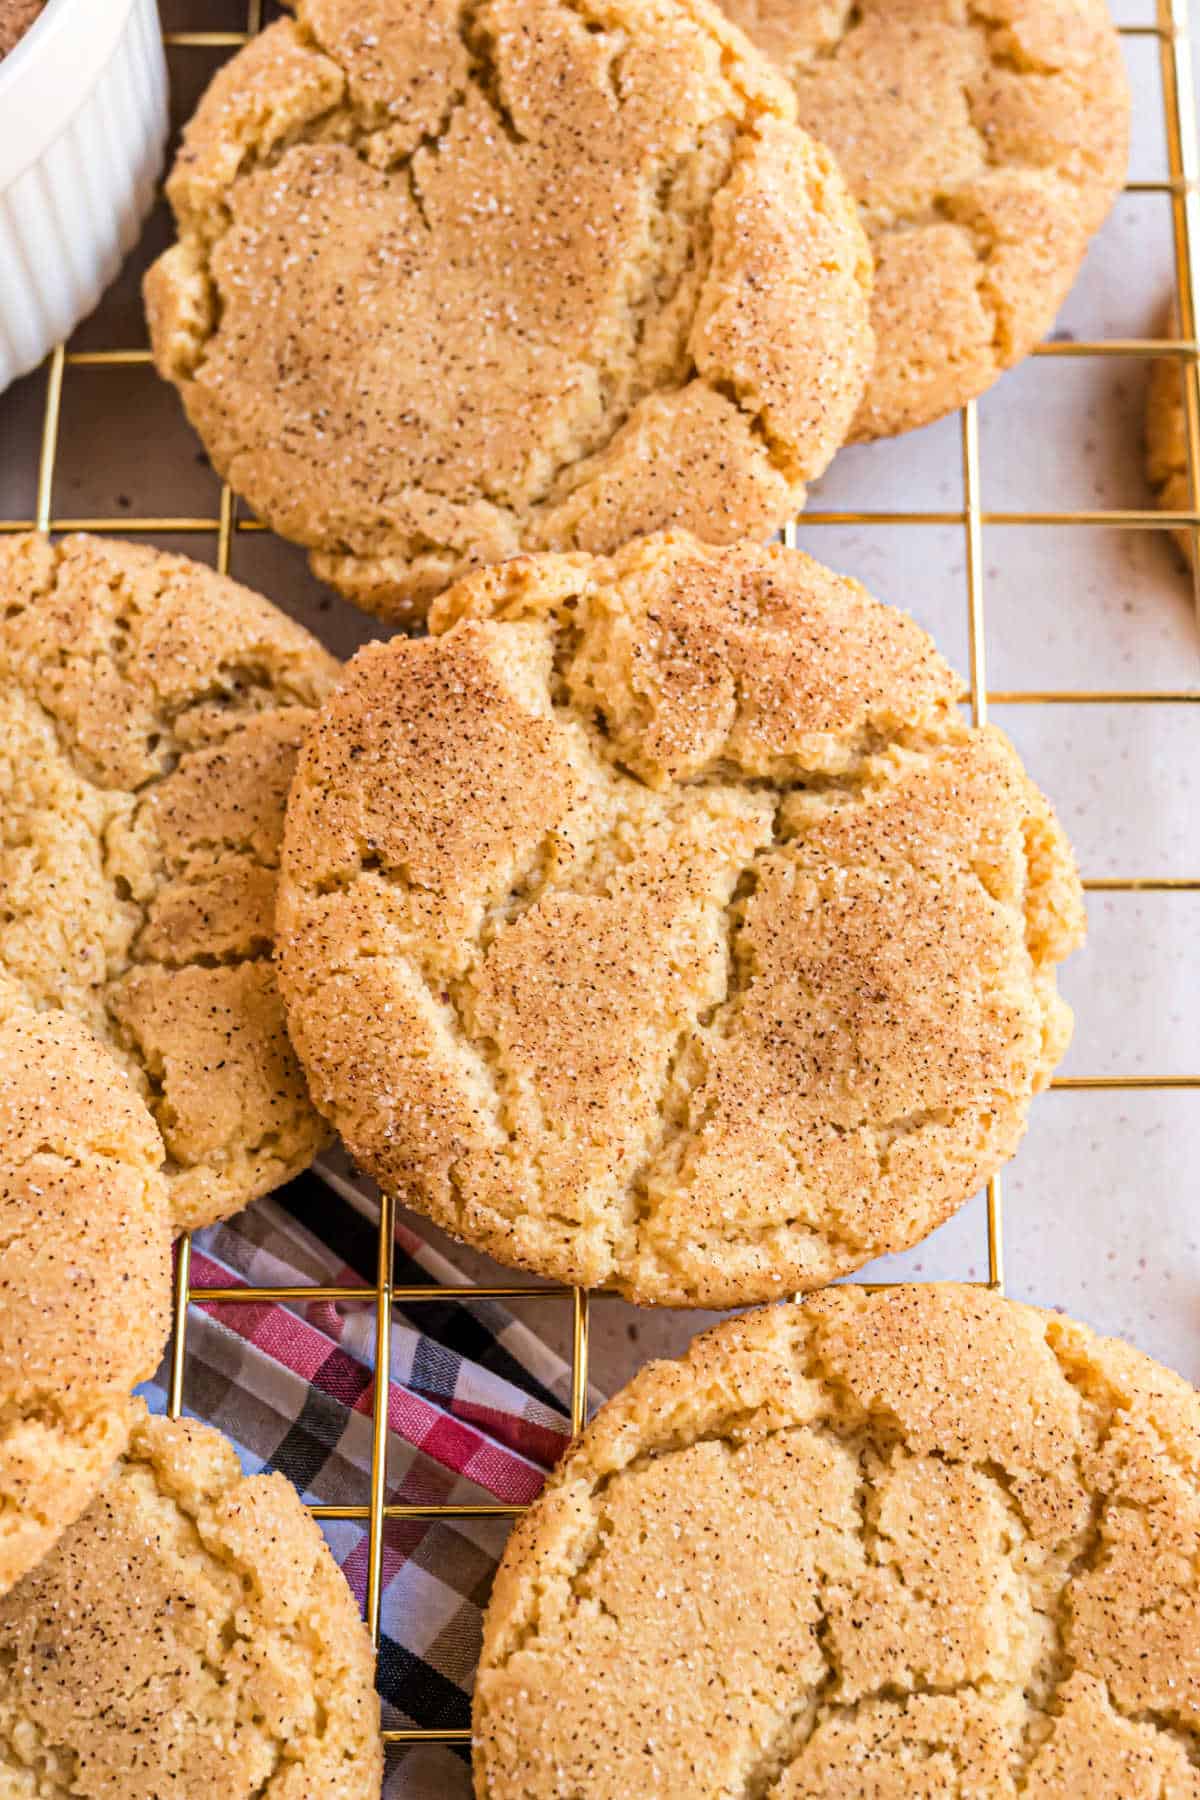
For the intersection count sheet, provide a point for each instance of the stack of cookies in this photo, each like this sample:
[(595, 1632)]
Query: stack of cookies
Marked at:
[(651, 920), (167, 1626)]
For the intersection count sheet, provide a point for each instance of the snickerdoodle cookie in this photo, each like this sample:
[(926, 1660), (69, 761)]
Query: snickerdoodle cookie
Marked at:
[(85, 1283), (150, 712), (190, 1636), (914, 1545), (1166, 444), (534, 274), (985, 141), (658, 922)]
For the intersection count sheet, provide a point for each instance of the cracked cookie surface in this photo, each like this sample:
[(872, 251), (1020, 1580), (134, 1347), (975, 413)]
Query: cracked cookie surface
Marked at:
[(150, 713), (657, 922), (85, 1278), (191, 1635), (913, 1545), (985, 141), (458, 281), (1166, 442)]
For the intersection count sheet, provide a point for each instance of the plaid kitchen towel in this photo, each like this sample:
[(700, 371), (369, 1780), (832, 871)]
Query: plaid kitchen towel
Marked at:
[(478, 1410)]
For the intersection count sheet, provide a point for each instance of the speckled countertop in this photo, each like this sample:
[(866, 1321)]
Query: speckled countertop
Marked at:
[(1102, 1204)]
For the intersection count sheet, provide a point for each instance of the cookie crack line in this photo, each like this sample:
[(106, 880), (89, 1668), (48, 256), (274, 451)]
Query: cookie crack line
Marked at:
[(812, 1707), (54, 1406), (724, 1433), (1035, 154), (17, 1759), (558, 485), (833, 1229), (483, 69), (1087, 1557), (65, 1158), (344, 123), (868, 773), (176, 864), (798, 1722), (683, 1129), (260, 951), (1009, 55), (235, 678), (666, 1129), (231, 1635), (184, 873), (942, 199), (811, 1711)]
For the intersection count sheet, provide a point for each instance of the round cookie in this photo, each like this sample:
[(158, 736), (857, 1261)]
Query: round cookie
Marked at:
[(913, 1545), (985, 141), (537, 276), (191, 1635), (658, 923), (1166, 445), (85, 1276), (150, 713)]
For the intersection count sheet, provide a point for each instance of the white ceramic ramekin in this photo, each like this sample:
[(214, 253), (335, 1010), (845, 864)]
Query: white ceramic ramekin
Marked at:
[(83, 126)]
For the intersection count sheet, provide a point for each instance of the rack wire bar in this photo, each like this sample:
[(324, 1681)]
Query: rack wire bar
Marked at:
[(579, 1361), (977, 659), (413, 1735), (1112, 518), (206, 40), (1095, 697), (179, 1309), (1148, 347), (1147, 884), (1153, 347), (1115, 518), (1182, 188), (1121, 1083), (1183, 162), (383, 1388), (401, 1296), (447, 1510), (50, 423)]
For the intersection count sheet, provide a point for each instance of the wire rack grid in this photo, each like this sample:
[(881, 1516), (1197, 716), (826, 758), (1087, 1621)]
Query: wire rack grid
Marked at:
[(1182, 186)]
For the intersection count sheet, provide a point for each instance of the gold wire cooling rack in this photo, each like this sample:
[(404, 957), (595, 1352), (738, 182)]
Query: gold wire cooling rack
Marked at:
[(1182, 186)]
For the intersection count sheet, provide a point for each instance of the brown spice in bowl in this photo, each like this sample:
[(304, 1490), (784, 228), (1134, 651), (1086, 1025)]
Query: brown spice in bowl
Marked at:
[(16, 16)]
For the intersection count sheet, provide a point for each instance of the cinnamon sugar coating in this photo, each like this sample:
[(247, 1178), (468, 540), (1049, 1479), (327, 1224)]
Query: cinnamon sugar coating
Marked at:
[(924, 1544), (453, 283), (985, 141), (190, 1636), (150, 714), (659, 923), (85, 1278)]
